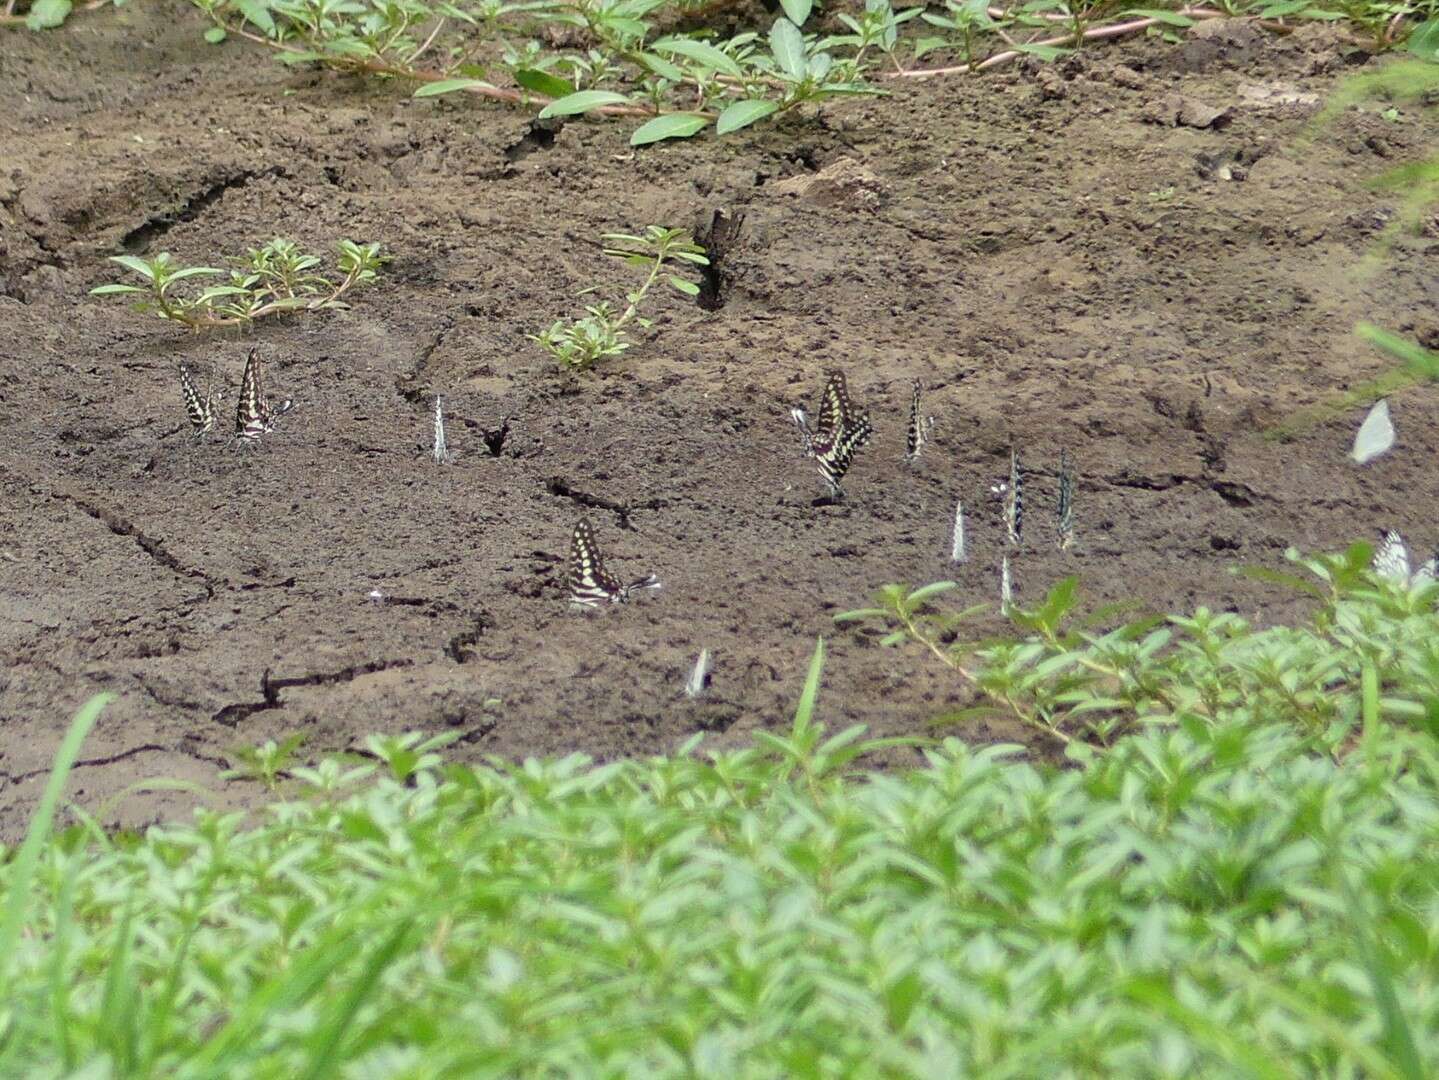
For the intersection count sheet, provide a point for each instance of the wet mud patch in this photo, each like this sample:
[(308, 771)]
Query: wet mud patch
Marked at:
[(1060, 269)]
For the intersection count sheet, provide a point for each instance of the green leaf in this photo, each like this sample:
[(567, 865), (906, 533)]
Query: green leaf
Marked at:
[(797, 10), (46, 14), (193, 271), (1420, 361), (257, 12), (542, 82), (1423, 40), (689, 288), (669, 126), (924, 592), (787, 45), (744, 113), (1169, 18), (215, 35), (703, 53), (804, 711), (448, 86), (21, 869), (111, 290), (582, 102), (661, 67), (135, 263)]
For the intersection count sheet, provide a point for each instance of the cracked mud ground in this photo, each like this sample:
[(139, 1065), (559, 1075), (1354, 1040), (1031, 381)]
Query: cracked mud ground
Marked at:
[(1059, 271)]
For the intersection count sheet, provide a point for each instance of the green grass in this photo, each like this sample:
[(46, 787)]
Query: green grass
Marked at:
[(1227, 894)]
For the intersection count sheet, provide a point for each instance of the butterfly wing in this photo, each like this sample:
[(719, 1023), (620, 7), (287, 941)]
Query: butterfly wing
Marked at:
[(590, 584), (1427, 572), (250, 412), (1391, 559), (202, 418), (834, 461), (1066, 502), (1014, 501), (1375, 435), (834, 407), (918, 427)]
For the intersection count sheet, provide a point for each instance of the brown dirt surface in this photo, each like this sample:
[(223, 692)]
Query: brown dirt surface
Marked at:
[(1058, 267)]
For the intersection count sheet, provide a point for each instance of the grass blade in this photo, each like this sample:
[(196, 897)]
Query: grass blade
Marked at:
[(22, 871)]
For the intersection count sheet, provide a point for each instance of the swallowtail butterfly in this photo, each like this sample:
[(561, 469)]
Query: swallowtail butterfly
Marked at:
[(1391, 560), (919, 427), (1006, 586), (838, 434), (253, 417), (699, 677), (441, 452), (201, 411), (1014, 501), (590, 583), (1066, 503)]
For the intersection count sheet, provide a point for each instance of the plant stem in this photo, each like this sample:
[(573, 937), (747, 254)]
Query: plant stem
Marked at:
[(1095, 33), (1023, 717)]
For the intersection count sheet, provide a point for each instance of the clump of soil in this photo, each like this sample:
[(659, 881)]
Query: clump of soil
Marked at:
[(1060, 273)]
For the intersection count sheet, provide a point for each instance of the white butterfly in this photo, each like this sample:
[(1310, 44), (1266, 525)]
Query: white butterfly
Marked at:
[(1391, 560), (1376, 434)]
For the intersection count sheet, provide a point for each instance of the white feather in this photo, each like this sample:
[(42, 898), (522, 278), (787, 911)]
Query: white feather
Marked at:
[(1375, 435)]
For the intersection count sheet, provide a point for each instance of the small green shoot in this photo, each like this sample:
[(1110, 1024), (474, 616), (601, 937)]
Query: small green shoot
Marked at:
[(600, 333), (270, 280), (268, 763)]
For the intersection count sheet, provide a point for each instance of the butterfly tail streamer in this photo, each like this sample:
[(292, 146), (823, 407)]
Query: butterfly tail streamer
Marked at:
[(957, 551)]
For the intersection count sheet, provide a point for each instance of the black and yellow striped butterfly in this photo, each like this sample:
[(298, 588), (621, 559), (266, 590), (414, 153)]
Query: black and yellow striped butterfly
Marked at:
[(1014, 501), (919, 427), (839, 432), (1066, 502), (590, 583), (253, 416), (200, 410)]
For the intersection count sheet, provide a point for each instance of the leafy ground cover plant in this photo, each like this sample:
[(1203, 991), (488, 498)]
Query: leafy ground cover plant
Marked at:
[(600, 333), (278, 277), (626, 57), (46, 14), (1214, 896), (1084, 687)]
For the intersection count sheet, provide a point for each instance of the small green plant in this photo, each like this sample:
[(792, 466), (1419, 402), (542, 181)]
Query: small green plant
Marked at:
[(269, 280), (600, 333), (623, 65), (268, 763), (47, 14), (1073, 683), (1209, 898)]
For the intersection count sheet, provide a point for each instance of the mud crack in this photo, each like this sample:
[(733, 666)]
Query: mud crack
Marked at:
[(122, 526), (138, 240), (270, 688), (1235, 494), (409, 386), (460, 647), (558, 485), (87, 763)]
